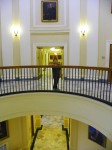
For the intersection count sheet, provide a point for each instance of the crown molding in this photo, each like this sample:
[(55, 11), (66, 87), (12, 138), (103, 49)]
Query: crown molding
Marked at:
[(49, 31)]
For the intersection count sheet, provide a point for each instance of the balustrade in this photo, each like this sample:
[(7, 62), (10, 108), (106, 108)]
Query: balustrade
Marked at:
[(92, 82)]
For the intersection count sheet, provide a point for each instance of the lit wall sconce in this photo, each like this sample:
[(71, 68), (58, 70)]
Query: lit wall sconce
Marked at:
[(83, 29), (15, 30), (83, 32), (16, 33)]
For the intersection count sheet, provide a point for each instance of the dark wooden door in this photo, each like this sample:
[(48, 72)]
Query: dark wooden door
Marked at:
[(110, 63), (110, 60)]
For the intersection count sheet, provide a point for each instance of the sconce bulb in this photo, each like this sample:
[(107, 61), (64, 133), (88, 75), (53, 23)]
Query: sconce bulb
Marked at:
[(15, 31), (83, 30), (83, 33)]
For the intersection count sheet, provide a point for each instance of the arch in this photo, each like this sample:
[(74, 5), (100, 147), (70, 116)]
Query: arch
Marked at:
[(76, 107)]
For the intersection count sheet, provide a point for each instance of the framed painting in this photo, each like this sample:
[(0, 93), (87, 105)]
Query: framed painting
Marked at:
[(49, 10), (3, 130), (51, 57), (96, 136)]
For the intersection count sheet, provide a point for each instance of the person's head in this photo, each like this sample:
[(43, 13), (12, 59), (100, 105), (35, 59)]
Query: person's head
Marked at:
[(55, 61)]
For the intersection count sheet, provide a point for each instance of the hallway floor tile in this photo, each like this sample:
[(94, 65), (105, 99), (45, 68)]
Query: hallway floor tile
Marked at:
[(51, 136)]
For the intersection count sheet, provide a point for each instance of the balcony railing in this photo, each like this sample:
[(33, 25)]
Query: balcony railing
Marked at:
[(92, 82)]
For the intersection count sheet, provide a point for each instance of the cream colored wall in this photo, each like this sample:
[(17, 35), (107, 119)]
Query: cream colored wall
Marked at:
[(79, 138), (0, 39), (6, 37), (25, 49), (74, 36), (37, 122), (18, 134), (38, 26), (86, 144), (105, 29), (16, 40), (83, 40), (14, 49), (90, 50), (38, 40), (92, 112), (78, 51)]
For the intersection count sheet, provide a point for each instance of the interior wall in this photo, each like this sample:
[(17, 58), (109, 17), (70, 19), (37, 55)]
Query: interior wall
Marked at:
[(51, 40), (6, 37), (25, 49), (83, 39), (20, 135), (88, 51), (38, 26), (105, 30), (87, 144), (92, 39), (17, 138), (93, 112), (74, 35), (79, 138), (16, 39), (15, 13), (0, 39)]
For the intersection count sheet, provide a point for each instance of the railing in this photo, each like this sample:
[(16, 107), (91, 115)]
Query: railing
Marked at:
[(92, 82)]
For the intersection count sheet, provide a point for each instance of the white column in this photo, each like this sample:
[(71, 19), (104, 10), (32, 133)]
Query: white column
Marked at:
[(92, 41), (25, 35), (6, 36), (74, 39)]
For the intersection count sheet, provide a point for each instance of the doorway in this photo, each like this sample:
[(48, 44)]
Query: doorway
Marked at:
[(45, 55)]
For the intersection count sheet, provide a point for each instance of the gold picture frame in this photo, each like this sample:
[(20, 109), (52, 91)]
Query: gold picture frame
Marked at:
[(49, 10), (4, 133)]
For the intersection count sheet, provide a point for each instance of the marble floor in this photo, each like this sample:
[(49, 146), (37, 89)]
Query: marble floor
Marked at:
[(51, 136)]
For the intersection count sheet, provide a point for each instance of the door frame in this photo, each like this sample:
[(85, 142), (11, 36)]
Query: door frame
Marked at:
[(108, 43), (35, 45)]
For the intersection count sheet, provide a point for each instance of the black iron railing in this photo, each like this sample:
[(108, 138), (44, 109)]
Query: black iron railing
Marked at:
[(92, 82)]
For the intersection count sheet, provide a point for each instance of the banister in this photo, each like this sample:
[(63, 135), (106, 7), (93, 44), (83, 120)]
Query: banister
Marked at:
[(49, 66), (89, 81)]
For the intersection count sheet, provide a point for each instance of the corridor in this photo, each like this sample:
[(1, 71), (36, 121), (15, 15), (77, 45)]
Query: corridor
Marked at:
[(51, 136)]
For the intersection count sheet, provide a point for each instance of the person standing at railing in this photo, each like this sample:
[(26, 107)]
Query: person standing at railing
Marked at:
[(56, 73)]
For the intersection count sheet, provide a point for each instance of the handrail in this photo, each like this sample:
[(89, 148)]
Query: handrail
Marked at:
[(92, 82), (48, 66)]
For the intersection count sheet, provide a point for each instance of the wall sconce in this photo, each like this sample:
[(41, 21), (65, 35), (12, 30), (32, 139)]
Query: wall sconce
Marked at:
[(16, 33), (83, 30), (15, 30)]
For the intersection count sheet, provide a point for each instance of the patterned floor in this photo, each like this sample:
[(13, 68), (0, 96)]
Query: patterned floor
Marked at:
[(51, 136)]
